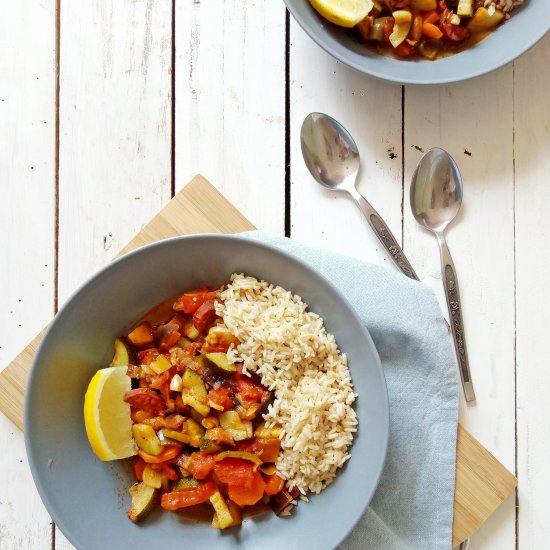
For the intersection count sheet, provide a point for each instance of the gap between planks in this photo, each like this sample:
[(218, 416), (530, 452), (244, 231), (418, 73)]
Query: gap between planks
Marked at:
[(288, 174), (56, 183), (173, 104), (516, 469), (56, 154)]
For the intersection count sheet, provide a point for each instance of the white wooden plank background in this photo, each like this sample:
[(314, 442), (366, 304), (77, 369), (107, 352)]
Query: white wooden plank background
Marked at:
[(532, 138), (230, 107), (27, 229), (153, 91)]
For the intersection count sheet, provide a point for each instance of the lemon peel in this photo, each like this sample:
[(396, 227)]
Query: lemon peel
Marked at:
[(345, 13), (107, 416)]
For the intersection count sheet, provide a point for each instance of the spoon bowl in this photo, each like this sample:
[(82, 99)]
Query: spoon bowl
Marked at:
[(436, 190), (329, 151)]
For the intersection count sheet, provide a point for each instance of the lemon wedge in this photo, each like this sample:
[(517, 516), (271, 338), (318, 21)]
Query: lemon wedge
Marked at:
[(107, 416), (345, 13)]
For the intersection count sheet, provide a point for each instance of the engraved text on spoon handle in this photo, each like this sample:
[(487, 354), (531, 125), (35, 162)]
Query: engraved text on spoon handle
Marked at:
[(385, 236), (455, 316)]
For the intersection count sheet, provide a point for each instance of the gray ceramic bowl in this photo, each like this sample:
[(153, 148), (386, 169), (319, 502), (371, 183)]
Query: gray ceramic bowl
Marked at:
[(88, 498), (524, 29)]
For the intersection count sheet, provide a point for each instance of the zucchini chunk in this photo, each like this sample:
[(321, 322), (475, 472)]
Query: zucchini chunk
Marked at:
[(143, 499)]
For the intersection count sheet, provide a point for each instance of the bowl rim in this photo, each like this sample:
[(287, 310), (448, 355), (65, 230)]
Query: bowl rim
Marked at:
[(27, 421), (466, 75)]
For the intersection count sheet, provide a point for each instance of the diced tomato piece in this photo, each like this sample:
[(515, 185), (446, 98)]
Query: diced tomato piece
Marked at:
[(430, 16), (191, 301), (267, 448), (147, 356), (167, 470), (273, 484), (247, 496), (146, 400), (171, 340), (139, 466), (247, 445), (388, 29), (205, 315), (170, 452), (222, 396), (158, 380), (364, 27), (187, 497), (165, 392), (193, 349), (167, 335), (213, 348), (170, 472), (235, 471), (201, 464), (249, 390), (179, 321), (405, 50), (454, 33)]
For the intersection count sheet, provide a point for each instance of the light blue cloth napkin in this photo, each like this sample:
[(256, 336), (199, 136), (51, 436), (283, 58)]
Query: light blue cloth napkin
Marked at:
[(413, 505)]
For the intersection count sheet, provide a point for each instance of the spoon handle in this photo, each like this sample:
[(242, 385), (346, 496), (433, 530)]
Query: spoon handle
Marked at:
[(384, 235), (450, 283)]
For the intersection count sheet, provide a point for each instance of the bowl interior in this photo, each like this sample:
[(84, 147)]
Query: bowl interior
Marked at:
[(525, 28), (88, 498)]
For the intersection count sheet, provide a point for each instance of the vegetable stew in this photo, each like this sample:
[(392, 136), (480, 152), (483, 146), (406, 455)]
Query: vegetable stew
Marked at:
[(428, 29), (197, 419)]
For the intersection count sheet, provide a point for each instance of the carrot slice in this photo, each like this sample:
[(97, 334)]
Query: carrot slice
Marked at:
[(431, 31), (187, 497), (244, 496), (273, 484)]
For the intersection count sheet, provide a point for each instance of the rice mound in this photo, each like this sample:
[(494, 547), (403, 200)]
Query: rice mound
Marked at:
[(290, 349), (506, 6)]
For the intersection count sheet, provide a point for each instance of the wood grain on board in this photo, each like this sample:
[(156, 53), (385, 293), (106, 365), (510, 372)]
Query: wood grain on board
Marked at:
[(482, 485), (482, 482)]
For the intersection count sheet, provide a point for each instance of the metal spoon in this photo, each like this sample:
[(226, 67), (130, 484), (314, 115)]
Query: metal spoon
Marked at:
[(332, 157), (436, 196)]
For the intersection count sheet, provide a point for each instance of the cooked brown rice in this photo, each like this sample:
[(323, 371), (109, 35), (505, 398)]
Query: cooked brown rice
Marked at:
[(290, 349), (506, 6)]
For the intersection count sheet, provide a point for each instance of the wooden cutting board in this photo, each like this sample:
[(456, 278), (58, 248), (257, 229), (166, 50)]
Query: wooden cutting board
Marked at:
[(482, 483)]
